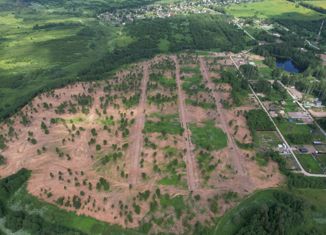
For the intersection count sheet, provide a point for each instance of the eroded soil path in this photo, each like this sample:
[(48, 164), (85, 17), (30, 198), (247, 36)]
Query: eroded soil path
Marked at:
[(137, 138), (192, 175), (235, 153)]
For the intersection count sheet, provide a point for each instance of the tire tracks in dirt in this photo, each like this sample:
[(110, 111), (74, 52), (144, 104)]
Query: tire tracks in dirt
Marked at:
[(192, 175), (233, 149), (136, 140)]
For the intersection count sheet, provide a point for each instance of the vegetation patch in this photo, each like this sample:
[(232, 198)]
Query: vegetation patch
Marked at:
[(193, 85), (177, 203), (168, 124), (309, 163), (208, 136)]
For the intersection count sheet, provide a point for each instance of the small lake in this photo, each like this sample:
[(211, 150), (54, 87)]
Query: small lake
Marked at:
[(287, 65)]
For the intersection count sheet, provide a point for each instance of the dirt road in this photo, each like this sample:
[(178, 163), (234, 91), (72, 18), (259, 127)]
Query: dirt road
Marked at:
[(236, 155), (192, 175), (136, 139)]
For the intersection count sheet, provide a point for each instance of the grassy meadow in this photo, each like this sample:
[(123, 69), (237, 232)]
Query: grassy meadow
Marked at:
[(280, 9), (42, 48), (319, 3)]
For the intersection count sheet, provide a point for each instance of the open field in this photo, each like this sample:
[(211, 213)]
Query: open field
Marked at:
[(280, 9), (128, 151), (320, 3), (43, 48)]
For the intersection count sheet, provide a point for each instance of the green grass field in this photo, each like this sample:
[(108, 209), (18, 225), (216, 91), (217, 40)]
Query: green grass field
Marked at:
[(208, 136), (321, 158), (320, 3), (309, 163), (42, 48), (280, 9)]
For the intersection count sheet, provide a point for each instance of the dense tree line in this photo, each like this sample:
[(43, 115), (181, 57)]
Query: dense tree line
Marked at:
[(278, 217), (239, 85), (182, 33)]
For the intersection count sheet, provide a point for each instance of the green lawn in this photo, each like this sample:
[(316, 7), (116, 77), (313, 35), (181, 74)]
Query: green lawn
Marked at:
[(309, 163), (280, 9), (208, 136)]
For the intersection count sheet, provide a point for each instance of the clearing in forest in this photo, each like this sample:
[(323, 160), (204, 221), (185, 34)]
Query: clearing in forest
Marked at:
[(154, 143)]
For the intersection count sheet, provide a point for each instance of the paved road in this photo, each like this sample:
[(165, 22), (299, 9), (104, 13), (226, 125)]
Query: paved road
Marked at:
[(192, 175), (303, 171)]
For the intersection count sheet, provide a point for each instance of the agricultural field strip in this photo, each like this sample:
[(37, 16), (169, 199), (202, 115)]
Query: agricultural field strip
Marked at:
[(192, 175), (233, 148), (136, 146), (278, 130)]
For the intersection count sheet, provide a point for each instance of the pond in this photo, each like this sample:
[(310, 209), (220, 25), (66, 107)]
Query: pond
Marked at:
[(287, 65)]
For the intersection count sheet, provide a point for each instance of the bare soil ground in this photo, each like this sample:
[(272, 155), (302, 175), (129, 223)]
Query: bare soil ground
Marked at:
[(192, 174), (88, 151), (136, 140)]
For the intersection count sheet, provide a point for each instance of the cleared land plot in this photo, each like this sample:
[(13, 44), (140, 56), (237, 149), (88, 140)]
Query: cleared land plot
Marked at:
[(280, 9), (267, 139), (78, 143)]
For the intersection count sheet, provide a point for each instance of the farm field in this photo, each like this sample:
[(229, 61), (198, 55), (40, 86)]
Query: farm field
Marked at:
[(129, 150), (273, 9)]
